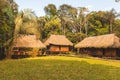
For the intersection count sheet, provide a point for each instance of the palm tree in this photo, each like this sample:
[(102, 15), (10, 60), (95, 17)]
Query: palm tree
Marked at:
[(25, 23), (28, 21)]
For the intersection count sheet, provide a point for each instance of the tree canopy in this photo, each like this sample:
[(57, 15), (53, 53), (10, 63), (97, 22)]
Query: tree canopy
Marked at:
[(75, 23)]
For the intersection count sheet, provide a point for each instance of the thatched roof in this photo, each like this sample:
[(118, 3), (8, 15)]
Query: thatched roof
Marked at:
[(29, 41), (103, 41), (58, 40)]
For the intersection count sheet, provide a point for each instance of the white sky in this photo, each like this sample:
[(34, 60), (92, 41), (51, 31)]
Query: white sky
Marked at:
[(38, 5)]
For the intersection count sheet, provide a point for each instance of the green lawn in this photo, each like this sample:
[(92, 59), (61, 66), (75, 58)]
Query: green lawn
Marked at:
[(59, 68)]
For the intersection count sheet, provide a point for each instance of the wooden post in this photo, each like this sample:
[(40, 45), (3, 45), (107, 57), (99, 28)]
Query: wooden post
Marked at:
[(78, 50)]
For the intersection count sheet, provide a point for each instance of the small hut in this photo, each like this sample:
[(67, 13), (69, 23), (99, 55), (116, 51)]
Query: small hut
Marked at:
[(58, 43), (105, 45), (27, 44)]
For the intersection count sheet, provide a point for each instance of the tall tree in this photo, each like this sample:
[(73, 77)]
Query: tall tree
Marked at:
[(6, 23), (116, 27), (98, 23), (27, 23), (81, 18), (50, 10), (67, 13), (53, 26), (42, 21), (111, 15)]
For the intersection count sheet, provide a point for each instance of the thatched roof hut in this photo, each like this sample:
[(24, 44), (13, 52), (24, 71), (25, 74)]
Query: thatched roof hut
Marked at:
[(28, 41), (58, 40), (58, 43), (103, 41)]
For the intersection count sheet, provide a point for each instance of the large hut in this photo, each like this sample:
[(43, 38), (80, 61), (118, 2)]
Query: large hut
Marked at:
[(27, 44), (58, 43), (105, 45)]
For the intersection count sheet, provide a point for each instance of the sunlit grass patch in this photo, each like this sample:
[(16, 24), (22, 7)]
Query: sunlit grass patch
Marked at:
[(58, 68), (115, 63)]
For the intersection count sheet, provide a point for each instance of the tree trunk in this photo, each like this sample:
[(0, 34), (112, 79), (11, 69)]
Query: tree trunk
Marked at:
[(9, 52), (86, 28), (111, 28)]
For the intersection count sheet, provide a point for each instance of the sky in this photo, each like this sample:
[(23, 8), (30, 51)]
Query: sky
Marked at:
[(94, 5)]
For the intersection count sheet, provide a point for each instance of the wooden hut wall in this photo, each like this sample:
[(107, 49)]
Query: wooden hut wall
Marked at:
[(110, 53), (54, 48), (57, 48), (22, 51), (94, 52), (98, 52), (118, 52), (64, 48)]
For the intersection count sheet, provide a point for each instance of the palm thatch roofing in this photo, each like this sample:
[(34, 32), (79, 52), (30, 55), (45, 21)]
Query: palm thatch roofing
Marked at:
[(28, 41), (103, 41), (58, 40)]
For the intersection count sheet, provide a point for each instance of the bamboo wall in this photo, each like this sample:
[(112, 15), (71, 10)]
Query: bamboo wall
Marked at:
[(64, 49), (59, 48), (110, 53), (54, 48), (99, 52)]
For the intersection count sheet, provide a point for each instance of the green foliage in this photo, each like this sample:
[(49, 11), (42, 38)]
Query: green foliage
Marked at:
[(98, 23), (116, 27), (50, 10), (6, 22), (67, 11), (102, 31), (76, 24), (72, 37), (27, 23), (52, 27)]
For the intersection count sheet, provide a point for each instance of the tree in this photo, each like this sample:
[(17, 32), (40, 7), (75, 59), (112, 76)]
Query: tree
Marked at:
[(50, 10), (52, 27), (67, 13), (116, 27), (42, 21), (111, 15), (98, 23), (7, 24)]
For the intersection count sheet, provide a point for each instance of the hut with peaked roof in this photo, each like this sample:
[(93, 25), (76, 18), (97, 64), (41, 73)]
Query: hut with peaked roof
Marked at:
[(24, 43), (104, 45), (58, 43)]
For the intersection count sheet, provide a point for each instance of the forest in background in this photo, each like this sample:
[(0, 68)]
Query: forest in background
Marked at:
[(74, 23)]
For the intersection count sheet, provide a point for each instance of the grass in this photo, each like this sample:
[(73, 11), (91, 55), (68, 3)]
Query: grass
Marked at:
[(59, 68)]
